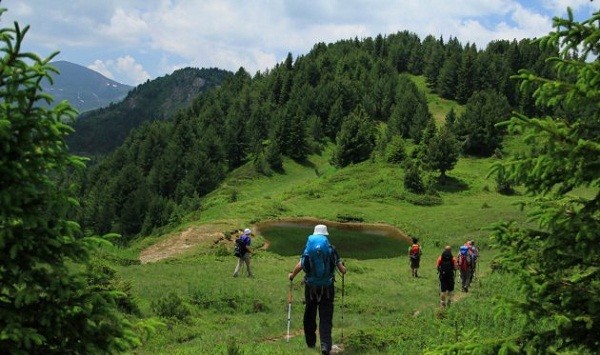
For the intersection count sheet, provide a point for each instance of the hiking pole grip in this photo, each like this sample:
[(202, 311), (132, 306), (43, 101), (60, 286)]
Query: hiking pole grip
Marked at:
[(289, 318)]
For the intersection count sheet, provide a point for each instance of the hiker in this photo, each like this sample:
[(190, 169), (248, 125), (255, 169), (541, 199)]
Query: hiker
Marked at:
[(414, 255), (475, 253), (465, 265), (446, 266), (318, 261), (242, 251)]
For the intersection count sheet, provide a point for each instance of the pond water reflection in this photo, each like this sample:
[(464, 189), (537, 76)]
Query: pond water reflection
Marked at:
[(352, 240)]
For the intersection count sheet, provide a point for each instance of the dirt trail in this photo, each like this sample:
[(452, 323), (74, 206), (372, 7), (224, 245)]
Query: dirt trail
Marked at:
[(209, 235)]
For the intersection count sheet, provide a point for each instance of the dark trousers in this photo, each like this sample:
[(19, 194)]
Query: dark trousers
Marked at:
[(318, 298)]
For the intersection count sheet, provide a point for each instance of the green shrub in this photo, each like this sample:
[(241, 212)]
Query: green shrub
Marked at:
[(172, 307), (344, 218), (423, 200), (413, 181)]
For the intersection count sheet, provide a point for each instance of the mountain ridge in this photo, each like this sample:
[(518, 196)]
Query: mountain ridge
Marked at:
[(84, 88), (98, 132)]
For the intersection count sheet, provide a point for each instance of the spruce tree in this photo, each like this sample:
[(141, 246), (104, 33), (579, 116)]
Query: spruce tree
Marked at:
[(442, 152), (47, 304), (557, 263), (356, 139), (477, 128)]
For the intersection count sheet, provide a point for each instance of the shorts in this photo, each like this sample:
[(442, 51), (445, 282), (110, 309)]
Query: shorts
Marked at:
[(446, 284), (414, 263)]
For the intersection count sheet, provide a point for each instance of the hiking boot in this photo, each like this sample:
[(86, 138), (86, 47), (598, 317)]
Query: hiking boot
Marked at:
[(325, 352)]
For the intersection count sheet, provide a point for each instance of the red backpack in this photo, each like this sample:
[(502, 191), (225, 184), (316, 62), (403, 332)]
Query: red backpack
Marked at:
[(415, 251)]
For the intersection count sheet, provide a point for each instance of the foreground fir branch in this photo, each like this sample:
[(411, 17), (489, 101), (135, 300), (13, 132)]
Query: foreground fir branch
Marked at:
[(557, 263), (46, 305)]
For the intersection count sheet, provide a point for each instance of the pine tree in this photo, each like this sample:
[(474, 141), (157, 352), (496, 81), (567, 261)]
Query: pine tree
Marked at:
[(356, 139), (557, 262), (442, 152), (47, 304), (477, 128)]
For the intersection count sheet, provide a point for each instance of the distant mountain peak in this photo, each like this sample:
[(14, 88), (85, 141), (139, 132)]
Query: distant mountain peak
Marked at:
[(84, 88)]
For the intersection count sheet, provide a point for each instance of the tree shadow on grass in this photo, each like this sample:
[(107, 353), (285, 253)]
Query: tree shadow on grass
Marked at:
[(305, 163), (451, 184)]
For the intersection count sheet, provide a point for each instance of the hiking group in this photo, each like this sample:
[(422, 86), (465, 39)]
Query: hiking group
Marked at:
[(319, 261), (447, 265)]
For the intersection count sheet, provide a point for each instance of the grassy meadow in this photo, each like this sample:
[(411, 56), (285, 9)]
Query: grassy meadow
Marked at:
[(385, 310)]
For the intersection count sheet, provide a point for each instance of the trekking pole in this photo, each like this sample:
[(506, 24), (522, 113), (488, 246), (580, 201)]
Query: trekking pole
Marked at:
[(342, 308), (289, 311)]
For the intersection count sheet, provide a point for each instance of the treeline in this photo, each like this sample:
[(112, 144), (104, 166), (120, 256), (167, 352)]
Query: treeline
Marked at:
[(100, 131), (338, 92)]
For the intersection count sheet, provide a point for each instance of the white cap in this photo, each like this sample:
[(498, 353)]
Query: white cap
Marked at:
[(247, 231), (321, 229)]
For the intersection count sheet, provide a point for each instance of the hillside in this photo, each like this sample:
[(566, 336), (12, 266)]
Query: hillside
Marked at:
[(381, 299), (101, 131), (354, 94), (84, 88)]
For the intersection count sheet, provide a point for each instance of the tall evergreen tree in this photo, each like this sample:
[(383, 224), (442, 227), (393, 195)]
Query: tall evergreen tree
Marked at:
[(557, 262), (47, 304), (442, 152), (467, 74), (356, 139), (434, 59), (477, 128)]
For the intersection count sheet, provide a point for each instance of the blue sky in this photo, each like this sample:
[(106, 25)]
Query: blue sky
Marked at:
[(131, 41)]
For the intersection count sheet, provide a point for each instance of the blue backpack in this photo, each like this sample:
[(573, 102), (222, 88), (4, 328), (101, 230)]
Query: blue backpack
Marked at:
[(318, 261), (465, 258)]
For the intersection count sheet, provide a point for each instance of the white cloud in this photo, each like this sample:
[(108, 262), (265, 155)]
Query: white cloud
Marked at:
[(101, 68), (132, 70), (22, 10), (125, 68), (166, 34), (125, 26), (559, 7)]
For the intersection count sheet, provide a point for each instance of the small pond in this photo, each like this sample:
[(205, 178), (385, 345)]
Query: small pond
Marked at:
[(355, 240)]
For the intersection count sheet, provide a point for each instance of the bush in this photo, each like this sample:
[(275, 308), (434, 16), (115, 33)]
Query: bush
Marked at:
[(412, 179), (171, 307), (344, 218), (423, 200), (395, 152)]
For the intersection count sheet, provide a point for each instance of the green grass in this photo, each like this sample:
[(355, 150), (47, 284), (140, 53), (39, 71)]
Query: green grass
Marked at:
[(249, 315), (439, 107)]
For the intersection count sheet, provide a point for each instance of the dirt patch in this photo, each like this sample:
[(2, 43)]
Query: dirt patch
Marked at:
[(178, 244)]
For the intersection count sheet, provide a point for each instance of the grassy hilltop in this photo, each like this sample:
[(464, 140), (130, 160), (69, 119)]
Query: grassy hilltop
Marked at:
[(385, 310)]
